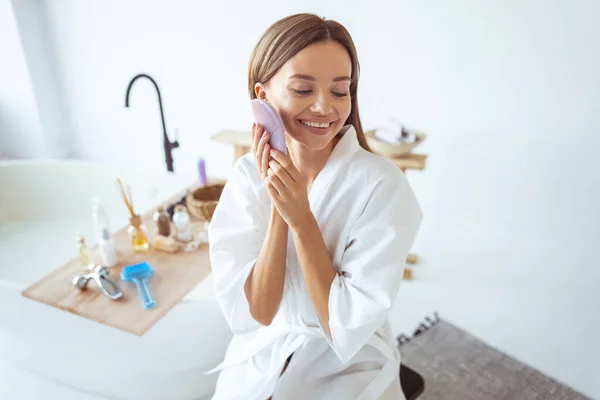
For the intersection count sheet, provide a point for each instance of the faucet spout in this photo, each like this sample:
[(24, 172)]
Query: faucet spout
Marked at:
[(167, 144)]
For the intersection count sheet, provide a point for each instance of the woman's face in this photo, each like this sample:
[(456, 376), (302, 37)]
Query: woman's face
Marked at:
[(311, 92)]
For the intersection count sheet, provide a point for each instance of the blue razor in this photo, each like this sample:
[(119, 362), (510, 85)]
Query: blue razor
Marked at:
[(139, 274)]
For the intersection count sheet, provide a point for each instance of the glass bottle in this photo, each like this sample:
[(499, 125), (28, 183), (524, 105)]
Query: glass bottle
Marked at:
[(84, 254), (163, 221), (138, 234), (181, 220)]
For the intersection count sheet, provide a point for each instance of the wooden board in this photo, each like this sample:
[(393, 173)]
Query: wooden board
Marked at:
[(412, 259), (236, 138), (410, 161), (174, 276)]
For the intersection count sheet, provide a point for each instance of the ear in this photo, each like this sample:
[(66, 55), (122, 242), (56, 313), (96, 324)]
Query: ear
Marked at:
[(260, 91)]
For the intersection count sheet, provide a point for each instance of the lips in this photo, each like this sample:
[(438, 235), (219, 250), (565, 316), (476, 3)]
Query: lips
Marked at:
[(316, 124), (317, 128)]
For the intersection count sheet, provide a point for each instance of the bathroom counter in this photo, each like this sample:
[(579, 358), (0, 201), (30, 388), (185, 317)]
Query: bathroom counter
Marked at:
[(175, 275)]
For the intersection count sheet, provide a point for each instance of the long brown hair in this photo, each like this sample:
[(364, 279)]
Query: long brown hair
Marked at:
[(290, 35)]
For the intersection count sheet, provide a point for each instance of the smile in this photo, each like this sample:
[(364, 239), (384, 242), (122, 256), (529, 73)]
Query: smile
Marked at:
[(317, 124)]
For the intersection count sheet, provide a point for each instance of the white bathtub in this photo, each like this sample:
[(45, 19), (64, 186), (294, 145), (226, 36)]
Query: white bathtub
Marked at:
[(43, 205)]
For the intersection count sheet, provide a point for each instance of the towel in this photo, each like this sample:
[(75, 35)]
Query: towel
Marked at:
[(394, 132)]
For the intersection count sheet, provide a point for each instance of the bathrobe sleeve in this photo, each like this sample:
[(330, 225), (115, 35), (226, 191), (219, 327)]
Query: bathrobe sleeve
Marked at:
[(235, 235), (372, 265)]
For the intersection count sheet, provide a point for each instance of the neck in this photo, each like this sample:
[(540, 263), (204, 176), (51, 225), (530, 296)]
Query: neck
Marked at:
[(310, 162)]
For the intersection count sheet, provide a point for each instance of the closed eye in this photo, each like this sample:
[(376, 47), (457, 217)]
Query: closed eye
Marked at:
[(302, 92), (307, 92)]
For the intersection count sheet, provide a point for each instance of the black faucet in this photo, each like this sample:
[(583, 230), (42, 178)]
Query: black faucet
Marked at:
[(168, 145)]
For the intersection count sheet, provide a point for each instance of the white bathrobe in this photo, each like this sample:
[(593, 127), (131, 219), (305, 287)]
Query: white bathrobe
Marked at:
[(369, 217)]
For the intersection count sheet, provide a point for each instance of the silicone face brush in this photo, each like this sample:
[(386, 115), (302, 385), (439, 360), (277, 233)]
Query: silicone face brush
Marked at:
[(139, 274), (267, 116)]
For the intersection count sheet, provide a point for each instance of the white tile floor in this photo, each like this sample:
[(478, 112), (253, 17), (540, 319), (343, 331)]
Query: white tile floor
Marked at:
[(529, 298)]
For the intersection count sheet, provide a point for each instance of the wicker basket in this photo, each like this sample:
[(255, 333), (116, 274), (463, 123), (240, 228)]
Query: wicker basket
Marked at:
[(392, 149), (202, 201)]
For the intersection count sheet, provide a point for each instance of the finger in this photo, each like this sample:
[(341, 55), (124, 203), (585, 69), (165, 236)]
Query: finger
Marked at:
[(258, 158), (281, 173), (254, 137), (256, 144), (265, 160), (271, 189), (276, 183), (264, 140), (286, 163), (258, 131)]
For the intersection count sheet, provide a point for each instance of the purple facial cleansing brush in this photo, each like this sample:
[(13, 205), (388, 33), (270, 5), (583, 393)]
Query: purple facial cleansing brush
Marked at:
[(267, 116)]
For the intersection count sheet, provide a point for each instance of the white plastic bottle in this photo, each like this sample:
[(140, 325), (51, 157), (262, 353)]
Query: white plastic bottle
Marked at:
[(106, 244), (107, 249)]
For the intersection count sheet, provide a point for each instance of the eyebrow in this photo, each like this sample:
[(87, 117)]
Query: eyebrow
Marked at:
[(312, 78)]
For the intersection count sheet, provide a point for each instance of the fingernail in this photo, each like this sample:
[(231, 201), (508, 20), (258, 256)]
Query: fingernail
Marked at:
[(272, 151), (253, 125)]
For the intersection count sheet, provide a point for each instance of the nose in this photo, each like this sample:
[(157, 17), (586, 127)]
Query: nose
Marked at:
[(321, 105)]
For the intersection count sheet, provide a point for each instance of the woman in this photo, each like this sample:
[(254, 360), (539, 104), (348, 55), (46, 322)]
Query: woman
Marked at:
[(308, 249)]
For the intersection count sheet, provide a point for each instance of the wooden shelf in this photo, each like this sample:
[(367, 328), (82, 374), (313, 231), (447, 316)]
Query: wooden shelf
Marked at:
[(236, 138), (411, 161)]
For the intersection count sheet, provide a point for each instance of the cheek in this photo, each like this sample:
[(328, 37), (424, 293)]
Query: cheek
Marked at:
[(289, 108), (344, 110)]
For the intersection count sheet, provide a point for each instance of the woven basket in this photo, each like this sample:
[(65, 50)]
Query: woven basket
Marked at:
[(202, 201)]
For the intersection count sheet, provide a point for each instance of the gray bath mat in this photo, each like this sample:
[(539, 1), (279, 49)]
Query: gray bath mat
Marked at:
[(457, 366)]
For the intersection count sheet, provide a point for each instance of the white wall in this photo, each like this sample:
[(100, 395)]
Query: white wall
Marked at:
[(37, 43), (32, 115), (18, 110), (507, 91)]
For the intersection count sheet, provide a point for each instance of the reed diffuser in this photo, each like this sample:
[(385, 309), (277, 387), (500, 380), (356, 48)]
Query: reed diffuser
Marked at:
[(138, 233)]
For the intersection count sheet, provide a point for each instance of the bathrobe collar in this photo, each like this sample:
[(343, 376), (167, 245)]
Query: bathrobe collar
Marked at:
[(343, 151)]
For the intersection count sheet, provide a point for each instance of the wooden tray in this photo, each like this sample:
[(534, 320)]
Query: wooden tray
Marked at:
[(174, 276)]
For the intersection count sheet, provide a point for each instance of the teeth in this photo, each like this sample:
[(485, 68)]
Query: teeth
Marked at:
[(316, 125)]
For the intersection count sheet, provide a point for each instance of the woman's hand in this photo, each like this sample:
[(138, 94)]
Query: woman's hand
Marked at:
[(260, 149), (287, 189)]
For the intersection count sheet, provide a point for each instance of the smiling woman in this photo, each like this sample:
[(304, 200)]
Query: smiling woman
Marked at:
[(321, 63), (308, 248)]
